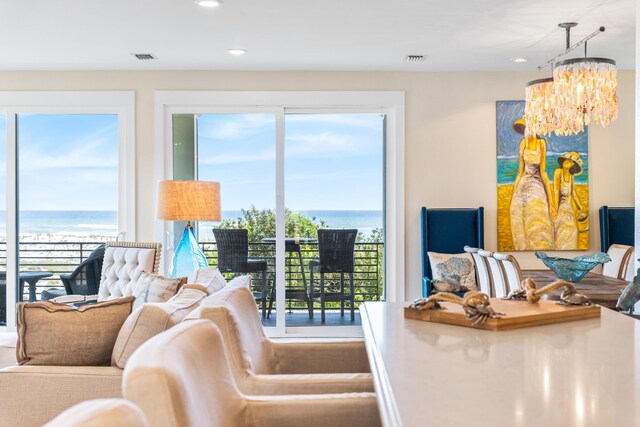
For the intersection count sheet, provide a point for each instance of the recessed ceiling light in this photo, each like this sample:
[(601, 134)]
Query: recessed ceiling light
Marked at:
[(236, 51), (209, 3), (519, 60)]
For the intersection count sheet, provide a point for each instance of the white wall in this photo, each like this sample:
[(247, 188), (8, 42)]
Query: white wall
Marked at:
[(637, 140), (450, 136)]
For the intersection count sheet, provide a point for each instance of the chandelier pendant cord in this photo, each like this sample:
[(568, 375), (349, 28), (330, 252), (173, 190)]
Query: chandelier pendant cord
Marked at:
[(570, 47)]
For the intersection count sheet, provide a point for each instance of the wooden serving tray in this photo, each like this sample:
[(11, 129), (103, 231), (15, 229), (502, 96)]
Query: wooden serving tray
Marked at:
[(517, 314)]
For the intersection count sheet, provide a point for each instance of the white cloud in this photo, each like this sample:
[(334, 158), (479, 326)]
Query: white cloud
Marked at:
[(367, 121), (237, 157), (237, 126), (96, 149), (329, 144)]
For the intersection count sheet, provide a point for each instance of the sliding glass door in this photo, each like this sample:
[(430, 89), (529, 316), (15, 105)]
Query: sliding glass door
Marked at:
[(334, 193), (329, 170), (239, 151)]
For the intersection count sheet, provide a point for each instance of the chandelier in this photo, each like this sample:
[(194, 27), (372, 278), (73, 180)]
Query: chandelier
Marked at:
[(581, 90), (540, 108)]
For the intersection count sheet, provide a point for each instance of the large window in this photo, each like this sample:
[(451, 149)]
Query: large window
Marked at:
[(66, 185), (67, 194), (306, 183)]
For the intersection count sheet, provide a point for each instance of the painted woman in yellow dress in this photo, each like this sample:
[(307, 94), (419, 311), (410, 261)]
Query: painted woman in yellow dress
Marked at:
[(530, 210), (566, 201)]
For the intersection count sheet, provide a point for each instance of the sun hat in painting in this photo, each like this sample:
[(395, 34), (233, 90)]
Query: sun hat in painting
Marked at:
[(519, 125), (576, 169)]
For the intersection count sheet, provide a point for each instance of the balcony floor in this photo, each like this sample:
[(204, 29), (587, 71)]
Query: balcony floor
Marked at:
[(301, 318)]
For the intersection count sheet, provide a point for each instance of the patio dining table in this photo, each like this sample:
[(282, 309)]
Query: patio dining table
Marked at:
[(293, 245), (29, 277)]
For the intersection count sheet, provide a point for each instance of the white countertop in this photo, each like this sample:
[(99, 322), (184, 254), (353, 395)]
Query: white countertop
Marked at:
[(582, 373)]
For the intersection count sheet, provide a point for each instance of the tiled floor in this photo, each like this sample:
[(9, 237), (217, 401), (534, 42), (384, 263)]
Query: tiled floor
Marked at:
[(301, 318)]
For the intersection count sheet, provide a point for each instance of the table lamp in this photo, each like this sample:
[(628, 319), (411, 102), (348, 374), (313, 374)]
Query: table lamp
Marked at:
[(188, 201)]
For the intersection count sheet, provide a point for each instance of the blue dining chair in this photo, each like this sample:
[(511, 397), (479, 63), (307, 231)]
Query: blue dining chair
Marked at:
[(448, 231), (617, 226)]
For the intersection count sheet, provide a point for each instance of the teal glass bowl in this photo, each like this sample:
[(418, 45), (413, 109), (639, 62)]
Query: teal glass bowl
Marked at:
[(573, 269)]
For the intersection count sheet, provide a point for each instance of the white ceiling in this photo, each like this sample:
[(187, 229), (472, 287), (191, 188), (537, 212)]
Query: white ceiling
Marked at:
[(306, 34)]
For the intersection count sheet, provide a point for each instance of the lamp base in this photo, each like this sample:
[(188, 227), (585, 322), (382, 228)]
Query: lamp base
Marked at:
[(188, 257)]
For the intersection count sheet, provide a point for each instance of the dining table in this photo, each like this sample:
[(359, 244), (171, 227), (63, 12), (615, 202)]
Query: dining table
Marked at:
[(31, 278), (294, 245), (578, 373), (600, 289)]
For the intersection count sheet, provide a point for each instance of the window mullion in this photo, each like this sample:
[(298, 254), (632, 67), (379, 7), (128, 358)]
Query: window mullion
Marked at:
[(280, 224), (12, 242)]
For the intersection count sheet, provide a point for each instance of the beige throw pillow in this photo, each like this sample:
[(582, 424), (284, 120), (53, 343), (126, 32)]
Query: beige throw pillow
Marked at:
[(152, 287), (211, 278), (452, 272), (59, 334), (152, 319), (243, 281)]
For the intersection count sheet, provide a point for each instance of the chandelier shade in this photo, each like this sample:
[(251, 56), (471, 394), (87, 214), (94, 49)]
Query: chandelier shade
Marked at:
[(585, 91), (540, 108)]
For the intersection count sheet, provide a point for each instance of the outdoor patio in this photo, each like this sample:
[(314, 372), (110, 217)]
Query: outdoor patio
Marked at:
[(62, 257)]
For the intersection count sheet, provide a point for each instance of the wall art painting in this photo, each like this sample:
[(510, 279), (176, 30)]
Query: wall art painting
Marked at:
[(543, 186)]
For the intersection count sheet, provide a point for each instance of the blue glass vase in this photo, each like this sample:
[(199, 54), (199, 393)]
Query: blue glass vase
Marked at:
[(188, 256), (573, 269)]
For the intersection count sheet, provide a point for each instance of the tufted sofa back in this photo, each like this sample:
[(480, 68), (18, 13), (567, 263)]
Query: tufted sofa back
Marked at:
[(123, 263)]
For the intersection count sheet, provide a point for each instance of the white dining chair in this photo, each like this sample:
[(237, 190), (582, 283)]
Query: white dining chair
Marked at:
[(498, 279), (631, 271), (482, 270), (621, 255), (511, 269)]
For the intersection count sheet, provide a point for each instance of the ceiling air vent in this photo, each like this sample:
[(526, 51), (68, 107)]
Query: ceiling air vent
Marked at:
[(414, 58), (144, 56)]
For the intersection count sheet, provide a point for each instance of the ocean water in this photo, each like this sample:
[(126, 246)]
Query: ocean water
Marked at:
[(76, 223), (104, 223), (508, 169)]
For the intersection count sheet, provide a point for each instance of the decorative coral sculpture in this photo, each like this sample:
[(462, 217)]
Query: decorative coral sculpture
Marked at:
[(529, 292), (476, 305)]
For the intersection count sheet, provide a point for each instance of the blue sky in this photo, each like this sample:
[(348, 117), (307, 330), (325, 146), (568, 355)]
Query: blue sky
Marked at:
[(66, 161), (332, 161)]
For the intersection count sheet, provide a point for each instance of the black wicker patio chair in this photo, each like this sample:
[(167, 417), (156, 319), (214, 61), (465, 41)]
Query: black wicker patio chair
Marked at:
[(233, 257), (336, 253), (84, 280)]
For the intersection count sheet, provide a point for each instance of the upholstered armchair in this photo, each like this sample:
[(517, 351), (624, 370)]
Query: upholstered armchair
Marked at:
[(39, 393), (122, 265), (448, 231), (101, 413), (262, 366), (181, 378)]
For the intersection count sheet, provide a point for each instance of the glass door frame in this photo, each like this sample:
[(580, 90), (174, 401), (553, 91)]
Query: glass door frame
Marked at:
[(391, 104), (13, 103)]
